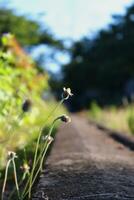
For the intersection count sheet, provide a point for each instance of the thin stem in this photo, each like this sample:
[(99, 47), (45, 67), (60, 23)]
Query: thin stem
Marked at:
[(23, 193), (13, 191), (25, 155), (38, 171), (37, 146), (45, 147), (42, 159), (15, 177), (34, 165), (5, 179), (35, 157)]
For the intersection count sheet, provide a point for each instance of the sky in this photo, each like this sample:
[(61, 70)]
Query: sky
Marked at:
[(70, 18)]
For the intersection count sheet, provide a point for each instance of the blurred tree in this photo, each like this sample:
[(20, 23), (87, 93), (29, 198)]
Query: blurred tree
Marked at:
[(100, 68), (28, 32)]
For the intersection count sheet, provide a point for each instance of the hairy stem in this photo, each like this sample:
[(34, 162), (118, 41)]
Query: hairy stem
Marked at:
[(37, 147), (5, 179), (15, 178)]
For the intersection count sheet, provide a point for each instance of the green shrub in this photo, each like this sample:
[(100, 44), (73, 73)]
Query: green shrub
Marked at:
[(131, 122), (95, 111)]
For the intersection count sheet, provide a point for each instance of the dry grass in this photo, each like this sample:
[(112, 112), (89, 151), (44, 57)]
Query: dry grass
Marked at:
[(112, 117)]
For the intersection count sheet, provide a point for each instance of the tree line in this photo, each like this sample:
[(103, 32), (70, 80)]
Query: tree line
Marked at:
[(100, 68)]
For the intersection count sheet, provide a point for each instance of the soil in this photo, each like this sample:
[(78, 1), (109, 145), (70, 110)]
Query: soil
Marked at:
[(87, 163)]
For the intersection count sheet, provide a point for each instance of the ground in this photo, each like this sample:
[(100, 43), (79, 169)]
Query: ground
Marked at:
[(87, 163)]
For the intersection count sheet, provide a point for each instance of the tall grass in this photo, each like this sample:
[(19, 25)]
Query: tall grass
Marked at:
[(118, 118)]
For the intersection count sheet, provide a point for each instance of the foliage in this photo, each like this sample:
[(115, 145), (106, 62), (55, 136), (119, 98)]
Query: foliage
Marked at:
[(27, 31), (24, 117), (100, 68), (118, 118), (131, 121), (95, 110), (17, 85)]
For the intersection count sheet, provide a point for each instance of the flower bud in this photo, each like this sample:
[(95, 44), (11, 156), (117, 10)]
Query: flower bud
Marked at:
[(12, 155), (25, 167), (65, 118), (48, 138), (66, 93), (26, 105)]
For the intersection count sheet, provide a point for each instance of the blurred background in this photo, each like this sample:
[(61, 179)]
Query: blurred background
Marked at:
[(82, 44), (86, 45)]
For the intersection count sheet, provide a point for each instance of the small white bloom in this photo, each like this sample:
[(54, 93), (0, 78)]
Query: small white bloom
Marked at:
[(12, 154), (66, 93), (25, 167), (48, 138)]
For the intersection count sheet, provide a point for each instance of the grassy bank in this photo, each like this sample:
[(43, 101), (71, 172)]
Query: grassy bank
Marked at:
[(117, 118), (22, 109), (27, 119)]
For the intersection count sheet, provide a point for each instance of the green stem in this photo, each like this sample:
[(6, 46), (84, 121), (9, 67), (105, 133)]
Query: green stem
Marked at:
[(5, 179), (25, 155), (13, 191), (39, 169), (23, 193), (34, 165), (15, 177), (41, 163), (42, 155), (46, 145), (37, 146)]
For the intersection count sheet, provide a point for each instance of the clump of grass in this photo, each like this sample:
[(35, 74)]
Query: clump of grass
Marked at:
[(131, 123), (130, 119), (118, 118), (95, 111)]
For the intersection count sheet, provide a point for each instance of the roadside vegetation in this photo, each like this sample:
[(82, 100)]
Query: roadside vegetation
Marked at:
[(117, 118), (28, 120)]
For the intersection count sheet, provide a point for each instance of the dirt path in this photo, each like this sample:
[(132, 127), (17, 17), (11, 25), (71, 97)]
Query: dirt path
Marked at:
[(87, 164)]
